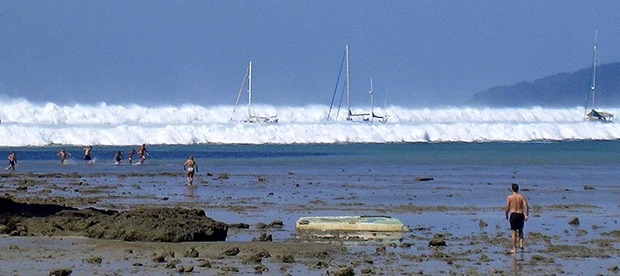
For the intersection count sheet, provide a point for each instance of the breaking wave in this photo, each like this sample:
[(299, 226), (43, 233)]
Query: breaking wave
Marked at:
[(28, 124)]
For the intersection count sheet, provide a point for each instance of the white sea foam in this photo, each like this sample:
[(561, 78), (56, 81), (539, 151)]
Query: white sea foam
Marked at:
[(28, 124)]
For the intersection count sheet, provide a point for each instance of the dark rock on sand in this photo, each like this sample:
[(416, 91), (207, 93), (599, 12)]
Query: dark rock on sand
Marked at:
[(232, 251), (172, 264), (252, 259), (154, 224), (259, 269), (160, 225), (239, 226), (276, 224), (205, 263), (321, 264), (264, 238), (437, 241), (484, 258), (264, 254), (159, 258), (574, 221), (61, 272), (581, 233), (94, 260), (289, 259), (192, 253), (538, 260), (347, 271), (182, 269), (273, 224), (230, 269)]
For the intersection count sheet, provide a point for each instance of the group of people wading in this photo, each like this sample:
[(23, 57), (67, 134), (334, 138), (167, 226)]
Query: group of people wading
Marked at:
[(189, 166), (118, 156)]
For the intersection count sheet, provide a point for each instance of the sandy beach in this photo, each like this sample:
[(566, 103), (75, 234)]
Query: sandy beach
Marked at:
[(260, 211)]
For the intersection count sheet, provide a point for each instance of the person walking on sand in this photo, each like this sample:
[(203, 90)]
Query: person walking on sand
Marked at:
[(191, 168), (87, 155), (12, 161), (63, 156), (516, 206), (142, 152)]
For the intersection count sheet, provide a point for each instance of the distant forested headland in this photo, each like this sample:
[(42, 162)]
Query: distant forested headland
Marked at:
[(561, 90)]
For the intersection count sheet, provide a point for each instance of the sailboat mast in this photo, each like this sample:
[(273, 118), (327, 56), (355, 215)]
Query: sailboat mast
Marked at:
[(372, 102), (594, 65), (346, 50), (250, 90)]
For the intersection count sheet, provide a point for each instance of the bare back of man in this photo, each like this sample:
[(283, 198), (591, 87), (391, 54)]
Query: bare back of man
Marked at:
[(516, 203), (516, 206)]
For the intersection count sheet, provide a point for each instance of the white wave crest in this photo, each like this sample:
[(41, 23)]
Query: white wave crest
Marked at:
[(29, 124)]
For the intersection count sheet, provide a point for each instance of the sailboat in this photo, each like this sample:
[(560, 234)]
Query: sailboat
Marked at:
[(251, 118), (364, 117), (374, 117), (595, 115)]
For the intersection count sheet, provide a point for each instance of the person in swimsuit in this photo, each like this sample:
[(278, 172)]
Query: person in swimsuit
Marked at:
[(63, 156), (516, 206), (87, 155), (12, 161), (118, 158), (142, 152), (130, 155), (191, 168)]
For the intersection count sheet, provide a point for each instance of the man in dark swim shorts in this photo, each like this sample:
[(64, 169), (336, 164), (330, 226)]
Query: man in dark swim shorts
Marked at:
[(12, 161), (87, 155), (517, 221), (516, 206)]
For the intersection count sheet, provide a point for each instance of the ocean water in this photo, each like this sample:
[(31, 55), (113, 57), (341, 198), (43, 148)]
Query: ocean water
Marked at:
[(392, 157), (546, 167)]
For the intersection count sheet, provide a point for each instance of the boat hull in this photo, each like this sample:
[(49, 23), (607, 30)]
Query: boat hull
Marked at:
[(351, 223)]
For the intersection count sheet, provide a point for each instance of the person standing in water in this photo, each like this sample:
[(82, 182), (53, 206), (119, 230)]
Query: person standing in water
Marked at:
[(63, 156), (516, 206), (88, 159), (130, 155), (191, 168), (12, 161), (118, 158), (142, 152)]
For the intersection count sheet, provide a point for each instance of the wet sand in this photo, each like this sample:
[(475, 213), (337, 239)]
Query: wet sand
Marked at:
[(470, 223)]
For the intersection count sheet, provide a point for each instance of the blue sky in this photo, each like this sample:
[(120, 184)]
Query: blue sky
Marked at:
[(419, 53)]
